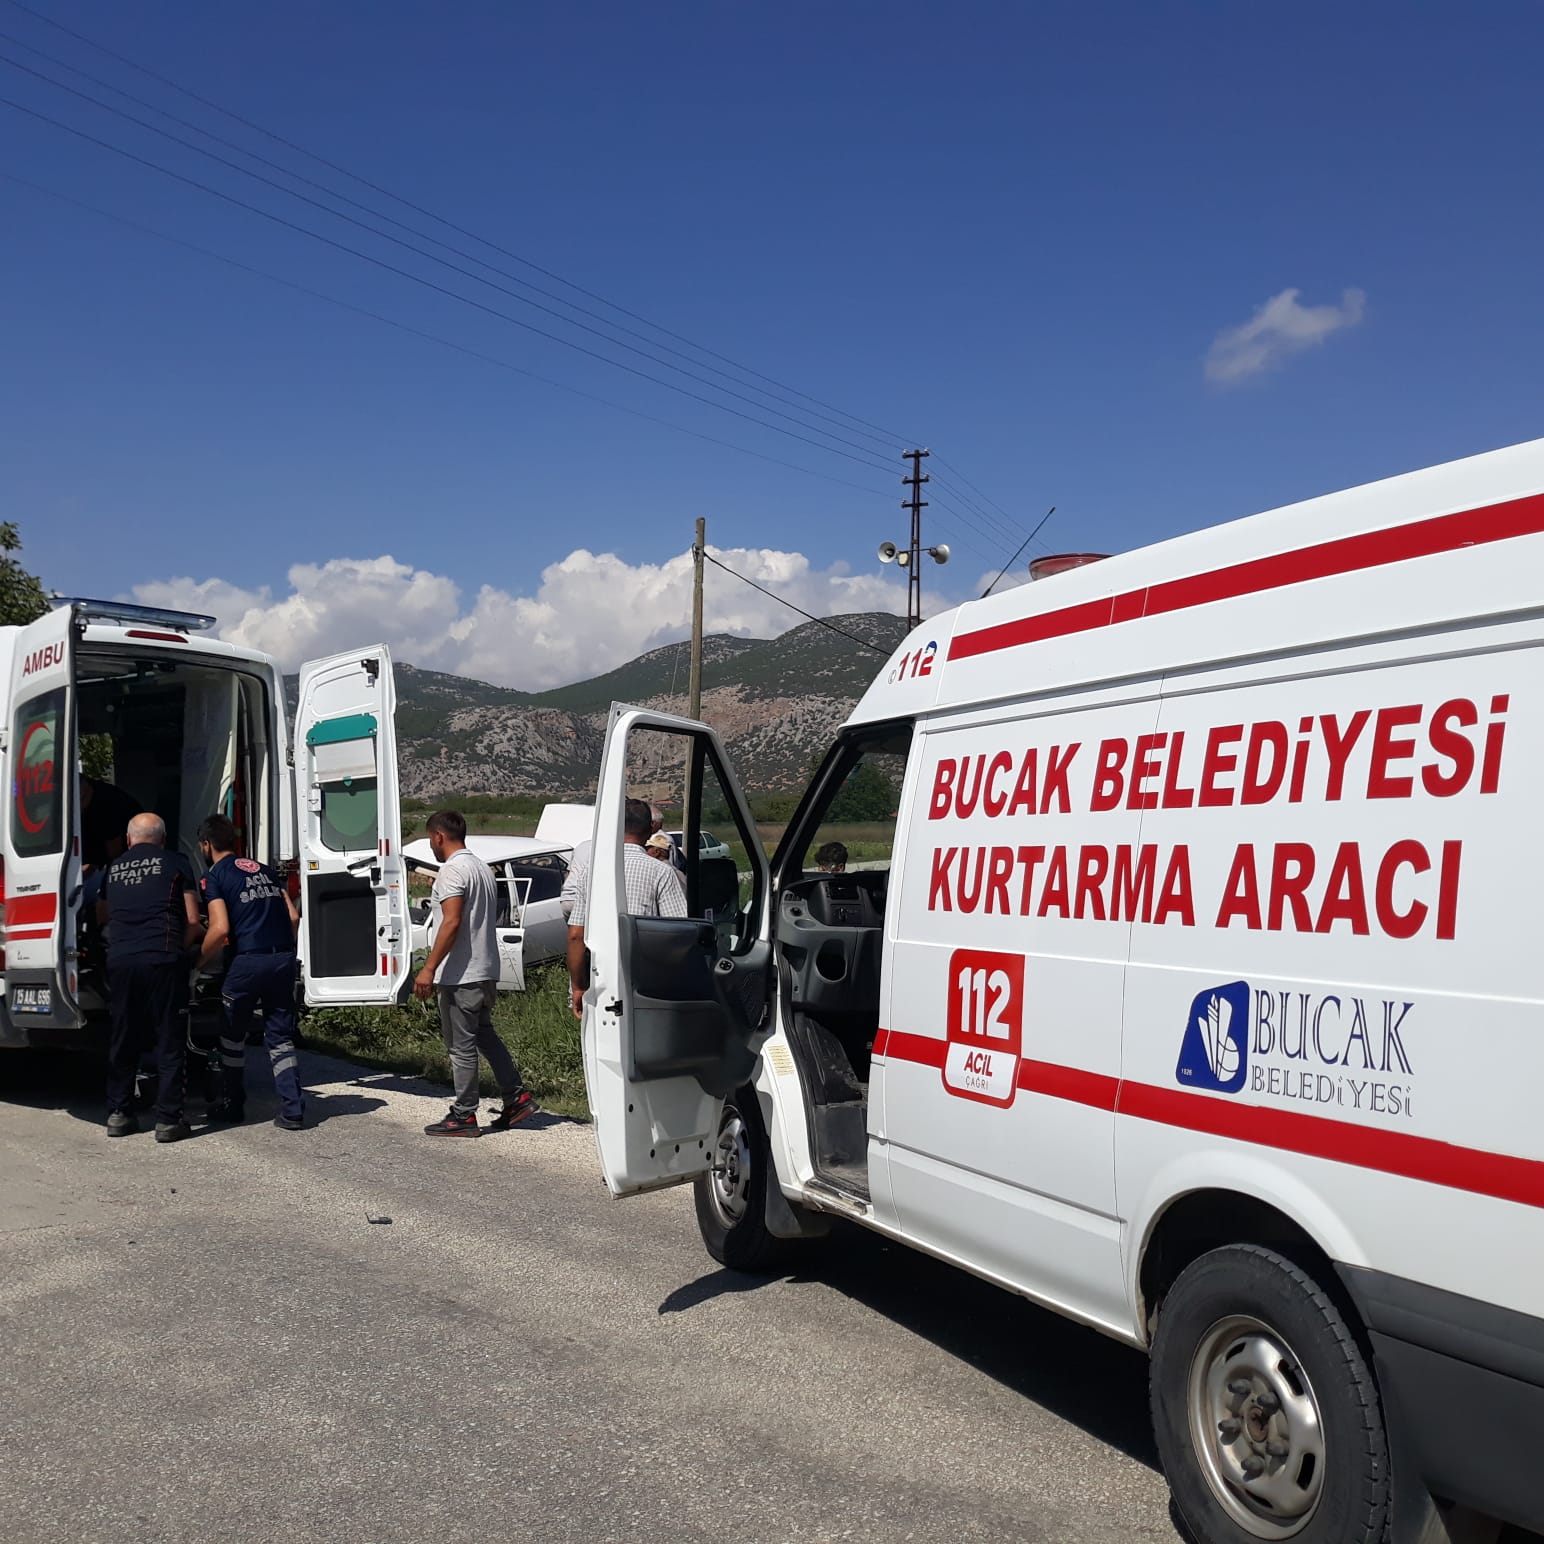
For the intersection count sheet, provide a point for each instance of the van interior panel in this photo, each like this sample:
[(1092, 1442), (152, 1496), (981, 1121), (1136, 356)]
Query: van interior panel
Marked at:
[(341, 933)]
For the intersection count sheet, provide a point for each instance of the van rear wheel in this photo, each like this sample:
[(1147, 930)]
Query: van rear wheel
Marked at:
[(1266, 1413), (732, 1198)]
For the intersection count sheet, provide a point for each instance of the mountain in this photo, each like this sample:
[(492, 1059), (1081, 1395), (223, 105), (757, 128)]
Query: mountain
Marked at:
[(776, 702)]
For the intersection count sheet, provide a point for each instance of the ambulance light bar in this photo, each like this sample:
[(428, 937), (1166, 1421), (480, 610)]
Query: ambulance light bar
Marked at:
[(123, 611)]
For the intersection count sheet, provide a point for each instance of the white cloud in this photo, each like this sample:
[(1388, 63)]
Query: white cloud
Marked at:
[(1281, 327), (590, 612)]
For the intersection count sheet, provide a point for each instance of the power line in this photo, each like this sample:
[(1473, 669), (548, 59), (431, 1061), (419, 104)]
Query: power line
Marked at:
[(476, 278), (810, 615), (955, 472), (418, 332), (385, 192), (405, 273), (992, 539), (870, 430)]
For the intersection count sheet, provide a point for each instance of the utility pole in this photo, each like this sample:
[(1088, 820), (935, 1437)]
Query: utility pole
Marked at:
[(694, 689), (916, 504)]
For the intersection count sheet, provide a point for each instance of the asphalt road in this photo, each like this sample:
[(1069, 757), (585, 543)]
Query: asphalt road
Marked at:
[(214, 1340)]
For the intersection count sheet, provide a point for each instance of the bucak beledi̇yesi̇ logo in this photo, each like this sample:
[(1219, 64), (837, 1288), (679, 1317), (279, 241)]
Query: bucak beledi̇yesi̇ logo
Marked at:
[(1215, 1051)]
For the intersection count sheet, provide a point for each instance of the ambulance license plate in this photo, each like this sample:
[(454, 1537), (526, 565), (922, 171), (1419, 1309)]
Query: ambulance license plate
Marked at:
[(32, 999)]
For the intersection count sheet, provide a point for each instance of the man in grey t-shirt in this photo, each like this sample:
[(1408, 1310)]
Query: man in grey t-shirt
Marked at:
[(462, 973)]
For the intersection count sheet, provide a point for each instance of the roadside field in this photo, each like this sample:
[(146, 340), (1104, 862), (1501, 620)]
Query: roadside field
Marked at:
[(536, 1024)]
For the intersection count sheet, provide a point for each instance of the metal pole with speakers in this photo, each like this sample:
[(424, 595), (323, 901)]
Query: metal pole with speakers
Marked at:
[(910, 557)]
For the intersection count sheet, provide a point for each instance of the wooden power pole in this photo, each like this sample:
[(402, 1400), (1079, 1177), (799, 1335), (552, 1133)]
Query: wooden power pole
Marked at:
[(694, 690)]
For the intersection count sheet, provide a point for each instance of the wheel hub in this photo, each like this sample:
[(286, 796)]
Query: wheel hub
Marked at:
[(731, 1179), (1256, 1426)]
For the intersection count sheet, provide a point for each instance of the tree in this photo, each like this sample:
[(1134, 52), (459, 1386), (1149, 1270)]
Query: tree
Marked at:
[(22, 596), (866, 795)]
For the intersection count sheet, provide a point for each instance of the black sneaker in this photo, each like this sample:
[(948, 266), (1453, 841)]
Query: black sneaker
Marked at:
[(515, 1110), (121, 1124), (455, 1125), (171, 1131), (289, 1122)]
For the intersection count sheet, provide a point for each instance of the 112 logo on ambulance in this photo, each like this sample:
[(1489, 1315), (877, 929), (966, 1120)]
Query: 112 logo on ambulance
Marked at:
[(986, 1025)]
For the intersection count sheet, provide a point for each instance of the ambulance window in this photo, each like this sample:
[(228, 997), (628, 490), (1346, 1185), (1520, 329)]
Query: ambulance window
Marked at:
[(37, 790), (343, 773), (856, 830), (350, 817)]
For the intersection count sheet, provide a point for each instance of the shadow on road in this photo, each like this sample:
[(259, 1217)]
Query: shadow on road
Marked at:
[(721, 1283), (435, 1095), (73, 1082), (1076, 1373)]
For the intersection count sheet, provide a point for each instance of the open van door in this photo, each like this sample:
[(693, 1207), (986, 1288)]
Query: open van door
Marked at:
[(356, 941), (676, 1007), (42, 828)]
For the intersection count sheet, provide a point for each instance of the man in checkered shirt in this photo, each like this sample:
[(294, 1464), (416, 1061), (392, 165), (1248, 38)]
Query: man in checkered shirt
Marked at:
[(650, 889)]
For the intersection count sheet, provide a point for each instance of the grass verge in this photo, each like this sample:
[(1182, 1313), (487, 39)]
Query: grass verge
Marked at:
[(536, 1024)]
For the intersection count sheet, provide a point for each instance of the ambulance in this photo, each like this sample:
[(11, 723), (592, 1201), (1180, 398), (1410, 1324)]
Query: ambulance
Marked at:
[(1195, 992), (188, 726)]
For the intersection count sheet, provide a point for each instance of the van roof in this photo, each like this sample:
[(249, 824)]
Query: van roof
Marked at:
[(1464, 539), (97, 633)]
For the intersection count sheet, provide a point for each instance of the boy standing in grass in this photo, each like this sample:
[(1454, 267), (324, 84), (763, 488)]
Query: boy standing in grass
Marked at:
[(462, 973)]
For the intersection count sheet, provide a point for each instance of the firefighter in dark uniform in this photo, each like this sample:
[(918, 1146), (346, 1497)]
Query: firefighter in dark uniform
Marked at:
[(151, 912), (250, 910)]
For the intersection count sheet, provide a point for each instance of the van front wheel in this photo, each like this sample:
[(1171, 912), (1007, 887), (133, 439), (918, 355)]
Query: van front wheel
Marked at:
[(732, 1197), (1265, 1410)]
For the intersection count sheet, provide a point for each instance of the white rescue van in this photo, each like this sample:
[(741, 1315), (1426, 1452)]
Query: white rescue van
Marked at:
[(1199, 1000), (194, 727)]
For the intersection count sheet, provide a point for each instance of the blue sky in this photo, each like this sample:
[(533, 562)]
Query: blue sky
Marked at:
[(1011, 231)]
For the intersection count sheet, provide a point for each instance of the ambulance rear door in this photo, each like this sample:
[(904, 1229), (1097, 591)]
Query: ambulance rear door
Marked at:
[(355, 935), (676, 1007), (42, 828)]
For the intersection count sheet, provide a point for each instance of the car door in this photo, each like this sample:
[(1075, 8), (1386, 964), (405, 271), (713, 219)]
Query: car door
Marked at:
[(511, 930), (676, 1007), (356, 935), (42, 830)]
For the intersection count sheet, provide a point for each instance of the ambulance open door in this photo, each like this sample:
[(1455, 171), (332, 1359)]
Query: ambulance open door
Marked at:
[(676, 1007), (42, 828), (355, 937)]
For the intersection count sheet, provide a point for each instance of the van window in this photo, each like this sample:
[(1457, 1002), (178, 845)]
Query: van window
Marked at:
[(350, 818), (856, 830), (37, 790)]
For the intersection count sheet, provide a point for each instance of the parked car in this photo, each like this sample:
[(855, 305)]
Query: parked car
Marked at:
[(530, 874), (708, 845)]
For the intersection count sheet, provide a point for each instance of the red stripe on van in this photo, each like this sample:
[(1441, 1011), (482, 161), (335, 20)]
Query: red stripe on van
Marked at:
[(24, 909), (924, 1050), (1391, 1152), (18, 935), (1501, 1175), (1070, 1083), (1345, 555)]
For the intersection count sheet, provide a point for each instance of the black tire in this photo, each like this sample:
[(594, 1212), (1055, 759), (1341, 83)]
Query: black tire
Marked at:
[(732, 1203), (1231, 1313)]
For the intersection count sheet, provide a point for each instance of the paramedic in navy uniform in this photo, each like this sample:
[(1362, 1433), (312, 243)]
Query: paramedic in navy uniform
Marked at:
[(250, 909), (152, 917)]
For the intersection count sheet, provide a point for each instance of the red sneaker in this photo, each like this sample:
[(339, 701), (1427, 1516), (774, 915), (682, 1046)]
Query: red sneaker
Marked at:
[(515, 1110), (455, 1125)]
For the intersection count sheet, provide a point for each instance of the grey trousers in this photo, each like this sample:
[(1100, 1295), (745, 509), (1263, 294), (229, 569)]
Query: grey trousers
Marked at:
[(466, 1022)]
